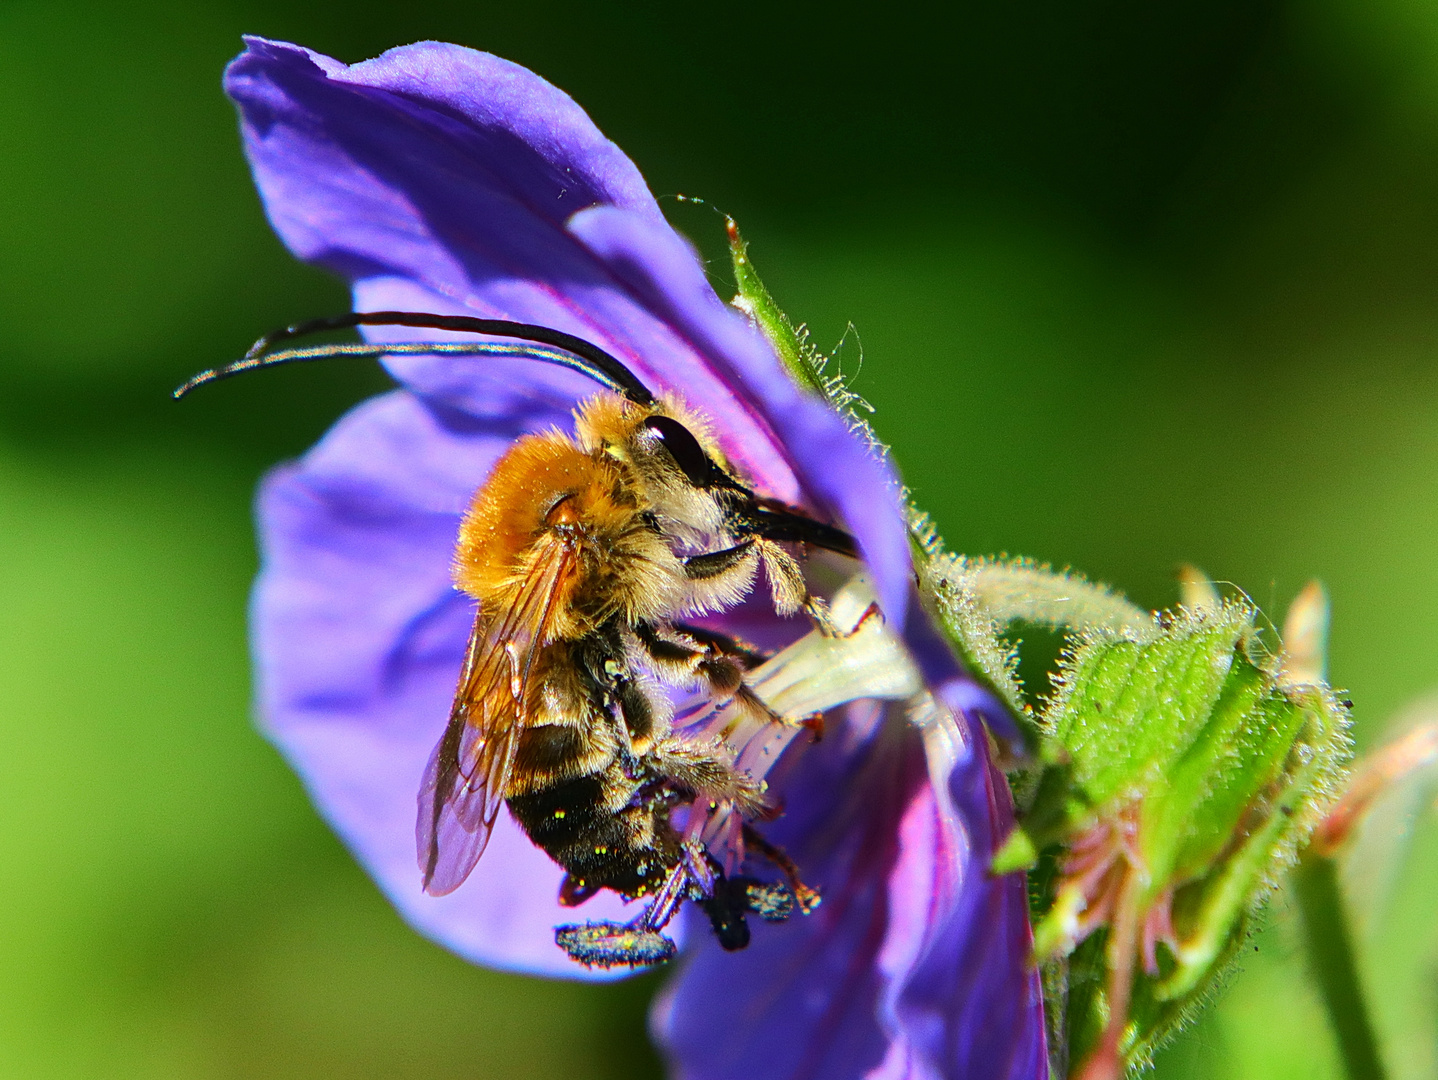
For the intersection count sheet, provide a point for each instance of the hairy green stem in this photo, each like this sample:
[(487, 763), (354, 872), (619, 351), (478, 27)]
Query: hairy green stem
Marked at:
[(1330, 952)]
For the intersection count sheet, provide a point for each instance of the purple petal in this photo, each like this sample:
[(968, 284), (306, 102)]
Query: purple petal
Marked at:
[(518, 149), (951, 684), (359, 637), (438, 178), (971, 1002), (915, 964)]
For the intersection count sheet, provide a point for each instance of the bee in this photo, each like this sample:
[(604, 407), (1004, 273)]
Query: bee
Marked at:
[(586, 554)]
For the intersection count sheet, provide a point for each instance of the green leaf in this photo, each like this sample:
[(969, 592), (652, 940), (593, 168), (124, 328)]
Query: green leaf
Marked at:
[(1210, 784)]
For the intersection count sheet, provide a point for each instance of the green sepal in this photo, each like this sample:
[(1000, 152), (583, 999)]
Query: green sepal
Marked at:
[(1018, 590), (1210, 767), (1297, 744), (1155, 1018), (1018, 852), (803, 361), (973, 631), (976, 602), (1127, 709)]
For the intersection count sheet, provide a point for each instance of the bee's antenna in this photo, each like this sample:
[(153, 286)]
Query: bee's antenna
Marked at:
[(568, 351)]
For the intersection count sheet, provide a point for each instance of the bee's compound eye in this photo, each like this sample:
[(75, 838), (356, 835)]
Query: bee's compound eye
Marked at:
[(684, 448)]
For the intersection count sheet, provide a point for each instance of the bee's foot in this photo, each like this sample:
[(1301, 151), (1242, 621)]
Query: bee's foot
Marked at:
[(818, 611), (607, 945), (575, 891), (772, 901), (727, 919), (808, 899), (733, 898)]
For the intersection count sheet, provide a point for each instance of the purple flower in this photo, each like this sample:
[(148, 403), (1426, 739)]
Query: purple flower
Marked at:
[(440, 179)]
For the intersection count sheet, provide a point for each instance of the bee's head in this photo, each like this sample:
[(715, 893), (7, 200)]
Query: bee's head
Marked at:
[(672, 453)]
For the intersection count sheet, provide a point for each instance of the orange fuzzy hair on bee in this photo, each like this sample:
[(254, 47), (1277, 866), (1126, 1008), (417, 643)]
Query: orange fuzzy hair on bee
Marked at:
[(547, 484)]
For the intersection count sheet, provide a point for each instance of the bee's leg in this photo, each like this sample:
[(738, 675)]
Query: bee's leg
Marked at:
[(708, 775), (714, 565), (808, 899), (725, 679), (732, 567), (750, 656), (673, 892), (720, 579), (637, 710), (721, 672), (789, 590), (641, 942), (735, 897)]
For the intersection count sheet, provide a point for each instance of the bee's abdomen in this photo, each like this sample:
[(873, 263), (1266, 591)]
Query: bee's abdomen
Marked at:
[(552, 754), (626, 850)]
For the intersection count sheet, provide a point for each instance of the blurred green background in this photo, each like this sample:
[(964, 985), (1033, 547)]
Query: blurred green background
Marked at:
[(1135, 284)]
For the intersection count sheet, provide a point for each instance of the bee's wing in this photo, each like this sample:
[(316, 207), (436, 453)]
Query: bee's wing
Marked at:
[(469, 770)]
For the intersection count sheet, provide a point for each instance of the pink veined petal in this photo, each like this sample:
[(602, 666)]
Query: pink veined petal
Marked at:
[(916, 963)]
